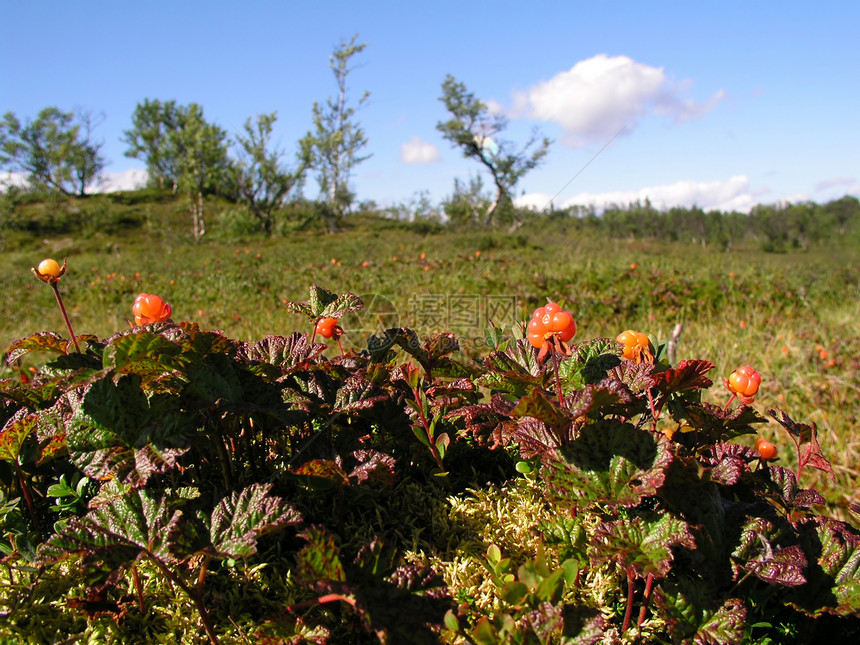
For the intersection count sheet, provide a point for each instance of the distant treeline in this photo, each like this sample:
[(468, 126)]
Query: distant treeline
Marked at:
[(775, 227)]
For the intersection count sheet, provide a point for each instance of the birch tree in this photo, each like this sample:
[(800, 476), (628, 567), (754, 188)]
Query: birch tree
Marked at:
[(337, 138)]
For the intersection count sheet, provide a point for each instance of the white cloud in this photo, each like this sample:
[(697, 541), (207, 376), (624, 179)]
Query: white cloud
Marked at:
[(130, 179), (109, 182), (416, 150), (598, 96), (730, 195)]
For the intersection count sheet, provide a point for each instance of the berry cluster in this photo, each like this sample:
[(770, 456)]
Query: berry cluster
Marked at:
[(637, 347), (744, 383), (549, 321), (328, 328)]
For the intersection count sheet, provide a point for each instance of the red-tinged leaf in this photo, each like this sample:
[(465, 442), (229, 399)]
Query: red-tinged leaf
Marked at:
[(534, 438), (56, 447), (515, 370), (239, 520), (43, 341), (373, 466), (280, 351), (760, 553), (641, 543), (729, 462), (120, 530), (320, 559), (15, 432), (604, 396), (805, 436), (636, 376), (692, 613), (323, 471), (833, 549), (610, 463), (536, 405), (689, 375), (712, 424), (144, 353), (357, 393)]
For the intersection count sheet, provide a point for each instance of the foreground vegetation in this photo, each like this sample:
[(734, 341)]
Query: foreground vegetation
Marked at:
[(250, 484)]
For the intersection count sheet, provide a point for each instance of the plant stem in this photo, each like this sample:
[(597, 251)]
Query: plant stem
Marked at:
[(27, 496), (649, 581), (628, 613), (138, 588), (193, 593), (56, 289)]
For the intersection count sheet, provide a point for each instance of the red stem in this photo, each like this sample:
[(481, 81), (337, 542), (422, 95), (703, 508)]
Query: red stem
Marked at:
[(649, 581), (27, 496), (65, 315), (628, 614)]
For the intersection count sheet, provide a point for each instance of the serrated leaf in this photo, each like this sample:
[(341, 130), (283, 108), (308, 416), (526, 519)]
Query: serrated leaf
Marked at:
[(609, 463), (323, 470), (641, 543), (833, 550), (134, 523), (373, 466), (805, 437), (688, 375), (144, 353), (15, 432), (116, 421), (536, 405), (239, 520), (515, 370), (282, 352), (759, 552), (319, 559), (589, 362), (692, 613), (43, 341), (713, 424)]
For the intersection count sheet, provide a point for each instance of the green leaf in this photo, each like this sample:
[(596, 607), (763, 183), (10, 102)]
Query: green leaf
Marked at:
[(14, 433), (609, 463), (43, 341), (144, 353), (515, 370), (120, 530), (691, 610), (239, 520), (643, 543), (514, 592), (319, 559), (589, 363), (119, 432)]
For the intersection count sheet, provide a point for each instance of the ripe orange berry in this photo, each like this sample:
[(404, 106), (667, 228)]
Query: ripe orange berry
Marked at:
[(326, 327), (744, 381), (149, 308), (635, 344), (765, 448), (550, 320)]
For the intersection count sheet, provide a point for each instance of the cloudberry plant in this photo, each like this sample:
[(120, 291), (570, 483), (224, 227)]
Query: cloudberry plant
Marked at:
[(743, 383)]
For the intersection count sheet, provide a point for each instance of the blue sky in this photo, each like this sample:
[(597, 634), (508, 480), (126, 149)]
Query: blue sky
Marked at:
[(725, 105)]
